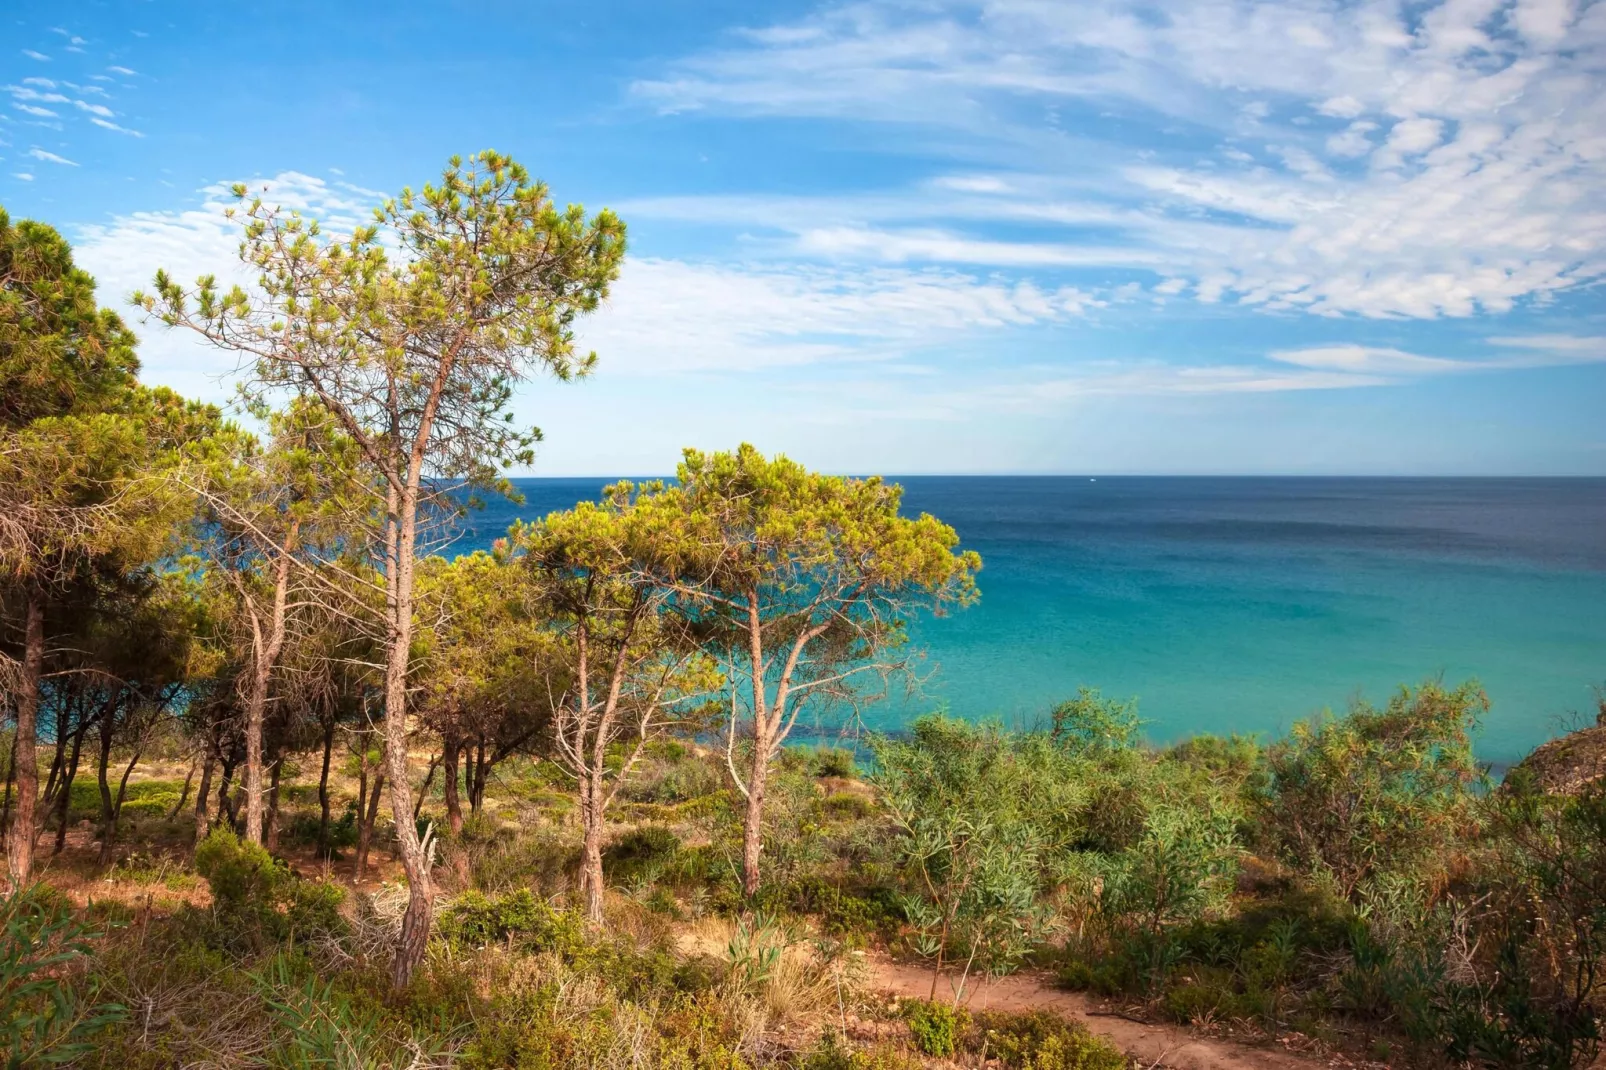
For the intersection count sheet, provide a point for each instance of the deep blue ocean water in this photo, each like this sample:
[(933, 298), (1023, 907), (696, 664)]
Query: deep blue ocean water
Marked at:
[(1245, 604)]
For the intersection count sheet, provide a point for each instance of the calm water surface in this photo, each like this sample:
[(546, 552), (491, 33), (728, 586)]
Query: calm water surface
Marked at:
[(1241, 604)]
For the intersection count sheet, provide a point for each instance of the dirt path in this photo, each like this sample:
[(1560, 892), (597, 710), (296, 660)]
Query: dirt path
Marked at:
[(1152, 1045)]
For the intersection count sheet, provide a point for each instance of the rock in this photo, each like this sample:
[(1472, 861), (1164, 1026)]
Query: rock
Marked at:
[(1570, 764)]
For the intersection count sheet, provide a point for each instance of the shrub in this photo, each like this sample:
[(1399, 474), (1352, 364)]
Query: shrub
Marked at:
[(847, 806), (1043, 1041), (640, 856), (1377, 790), (476, 920), (936, 1027), (832, 762), (831, 1055), (257, 898), (43, 1019), (956, 791)]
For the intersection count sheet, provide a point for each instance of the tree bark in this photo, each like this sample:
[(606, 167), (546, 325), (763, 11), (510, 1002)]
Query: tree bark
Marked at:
[(64, 798), (753, 820), (184, 795), (271, 837), (591, 869), (108, 727), (454, 804), (323, 789), (202, 794), (265, 654), (403, 534), (366, 820), (20, 836)]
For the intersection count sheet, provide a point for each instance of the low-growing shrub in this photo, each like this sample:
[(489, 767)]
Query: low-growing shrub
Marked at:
[(44, 1020), (640, 856), (935, 1027), (1041, 1041), (258, 899), (474, 919)]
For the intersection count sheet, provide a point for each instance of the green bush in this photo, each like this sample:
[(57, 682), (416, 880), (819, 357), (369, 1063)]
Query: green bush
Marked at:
[(831, 1055), (836, 762), (44, 1020), (474, 919), (257, 899), (936, 1027), (1376, 791), (1042, 1041), (640, 856)]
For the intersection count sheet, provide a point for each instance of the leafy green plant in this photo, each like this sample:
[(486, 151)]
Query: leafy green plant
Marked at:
[(640, 856), (44, 1021), (474, 919), (936, 1027), (1042, 1041), (954, 791), (258, 899), (1376, 790)]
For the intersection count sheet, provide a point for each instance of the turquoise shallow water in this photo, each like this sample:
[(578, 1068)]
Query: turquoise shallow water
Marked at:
[(1245, 604)]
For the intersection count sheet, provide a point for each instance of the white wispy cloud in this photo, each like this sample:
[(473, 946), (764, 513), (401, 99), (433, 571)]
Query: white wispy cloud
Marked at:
[(1441, 161), (50, 157), (93, 109), (22, 175), (664, 316), (121, 70), (109, 125), (1539, 351), (31, 54), (33, 109)]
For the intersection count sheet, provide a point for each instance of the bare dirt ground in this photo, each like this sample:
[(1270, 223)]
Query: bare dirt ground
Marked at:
[(1152, 1045)]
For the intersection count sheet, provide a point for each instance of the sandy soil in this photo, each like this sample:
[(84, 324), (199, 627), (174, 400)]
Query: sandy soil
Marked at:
[(1153, 1045)]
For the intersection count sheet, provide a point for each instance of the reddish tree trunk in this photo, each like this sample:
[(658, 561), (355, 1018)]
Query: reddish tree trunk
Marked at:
[(203, 794), (454, 805), (25, 763)]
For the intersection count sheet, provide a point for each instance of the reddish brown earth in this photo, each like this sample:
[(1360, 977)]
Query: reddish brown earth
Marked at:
[(1152, 1045)]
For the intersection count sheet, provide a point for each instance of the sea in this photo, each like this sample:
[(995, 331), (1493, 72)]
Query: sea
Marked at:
[(1243, 605)]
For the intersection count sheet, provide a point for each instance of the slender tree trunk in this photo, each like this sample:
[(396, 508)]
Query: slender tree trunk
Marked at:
[(271, 837), (423, 790), (414, 853), (366, 820), (266, 653), (753, 821), (256, 700), (362, 811), (25, 760), (57, 762), (591, 869), (11, 777), (202, 795), (117, 806), (108, 727), (476, 775), (64, 796), (183, 796), (454, 805), (225, 782), (323, 789)]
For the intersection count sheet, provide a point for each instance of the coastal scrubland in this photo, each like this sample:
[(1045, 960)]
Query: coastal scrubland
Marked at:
[(287, 786)]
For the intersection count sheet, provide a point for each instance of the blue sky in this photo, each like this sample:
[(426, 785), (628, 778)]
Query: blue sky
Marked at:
[(1022, 236)]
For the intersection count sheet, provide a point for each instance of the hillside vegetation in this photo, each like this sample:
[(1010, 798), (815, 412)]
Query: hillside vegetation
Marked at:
[(285, 788)]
